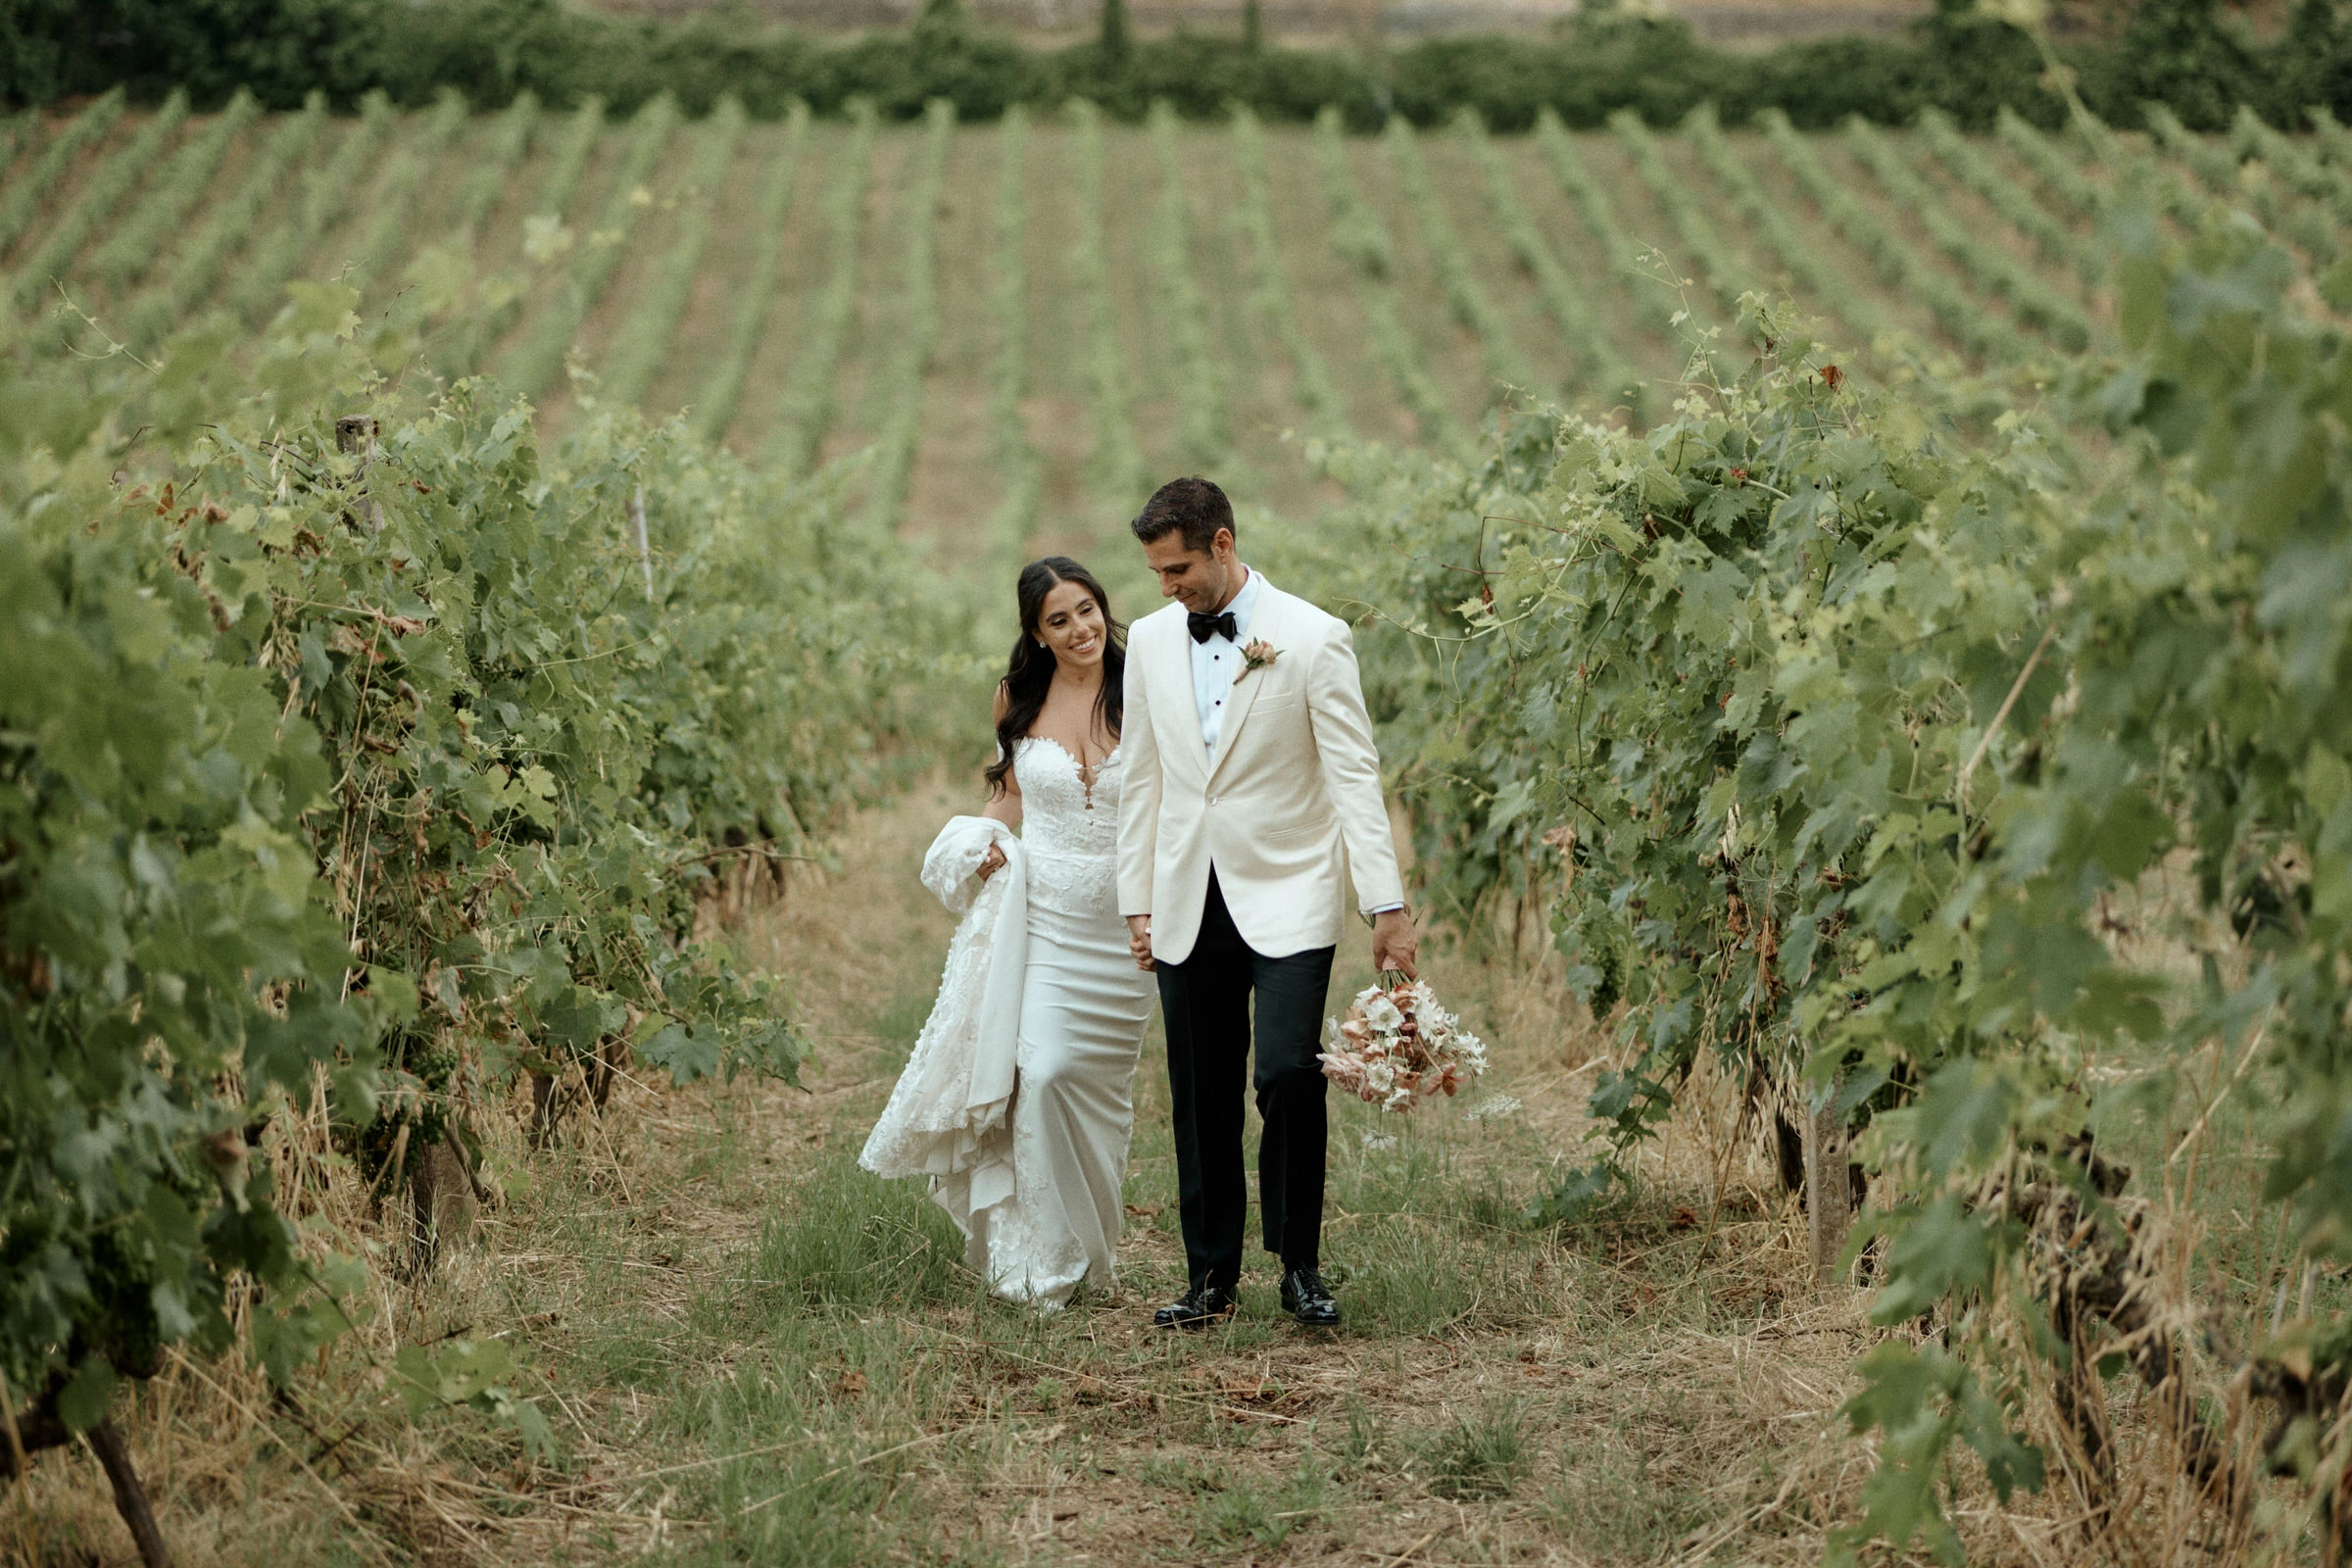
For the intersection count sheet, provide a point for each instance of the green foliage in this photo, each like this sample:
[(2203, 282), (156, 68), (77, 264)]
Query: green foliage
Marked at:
[(1605, 59), (24, 197), (169, 956), (645, 337), (1563, 298), (901, 381), (131, 245), (62, 238), (808, 398), (1828, 726), (1270, 287), (533, 363), (342, 756), (1116, 461), (714, 409)]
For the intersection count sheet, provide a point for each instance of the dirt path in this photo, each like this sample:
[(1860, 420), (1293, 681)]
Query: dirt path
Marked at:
[(1497, 1396)]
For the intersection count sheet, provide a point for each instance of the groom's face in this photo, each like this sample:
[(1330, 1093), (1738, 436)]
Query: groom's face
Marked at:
[(1201, 582)]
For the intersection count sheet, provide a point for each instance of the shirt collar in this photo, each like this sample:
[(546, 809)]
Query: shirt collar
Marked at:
[(1244, 603)]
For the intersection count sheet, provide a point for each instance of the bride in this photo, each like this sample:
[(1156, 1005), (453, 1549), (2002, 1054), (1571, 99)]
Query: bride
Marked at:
[(1017, 1100)]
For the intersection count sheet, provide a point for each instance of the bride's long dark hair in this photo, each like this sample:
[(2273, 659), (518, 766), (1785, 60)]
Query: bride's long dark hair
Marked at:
[(1030, 675)]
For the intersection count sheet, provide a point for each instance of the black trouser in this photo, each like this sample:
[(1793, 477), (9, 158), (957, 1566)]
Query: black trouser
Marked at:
[(1204, 1004)]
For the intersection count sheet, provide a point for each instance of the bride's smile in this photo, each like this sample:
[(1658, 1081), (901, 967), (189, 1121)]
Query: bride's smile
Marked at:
[(1070, 625)]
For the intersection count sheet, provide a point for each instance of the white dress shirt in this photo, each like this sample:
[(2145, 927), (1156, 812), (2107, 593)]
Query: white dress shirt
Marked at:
[(1216, 661)]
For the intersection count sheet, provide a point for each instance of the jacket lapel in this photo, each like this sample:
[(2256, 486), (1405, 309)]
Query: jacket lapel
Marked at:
[(1178, 700), (1266, 624)]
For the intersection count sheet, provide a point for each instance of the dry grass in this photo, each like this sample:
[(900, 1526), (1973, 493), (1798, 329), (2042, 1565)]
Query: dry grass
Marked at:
[(751, 1351)]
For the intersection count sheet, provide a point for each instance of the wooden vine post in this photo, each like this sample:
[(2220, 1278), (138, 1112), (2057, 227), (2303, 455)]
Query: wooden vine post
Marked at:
[(355, 436), (1829, 1198)]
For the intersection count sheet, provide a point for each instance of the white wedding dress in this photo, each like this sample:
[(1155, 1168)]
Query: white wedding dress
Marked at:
[(1083, 1005)]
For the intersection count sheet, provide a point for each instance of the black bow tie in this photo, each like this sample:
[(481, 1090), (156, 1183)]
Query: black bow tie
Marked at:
[(1204, 627)]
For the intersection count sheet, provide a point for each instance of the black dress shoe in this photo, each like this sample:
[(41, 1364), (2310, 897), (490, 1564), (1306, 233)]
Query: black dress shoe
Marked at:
[(1307, 1299), (1197, 1308)]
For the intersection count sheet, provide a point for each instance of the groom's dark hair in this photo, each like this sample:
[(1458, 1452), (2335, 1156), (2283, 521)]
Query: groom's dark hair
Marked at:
[(1194, 507)]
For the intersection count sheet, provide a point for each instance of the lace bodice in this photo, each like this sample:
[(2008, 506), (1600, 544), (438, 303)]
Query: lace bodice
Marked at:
[(1070, 827)]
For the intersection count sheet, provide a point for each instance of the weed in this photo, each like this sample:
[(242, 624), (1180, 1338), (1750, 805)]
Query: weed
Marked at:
[(1479, 1456)]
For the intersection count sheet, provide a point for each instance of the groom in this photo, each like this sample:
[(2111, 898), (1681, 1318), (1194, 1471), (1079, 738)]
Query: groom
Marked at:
[(1251, 780)]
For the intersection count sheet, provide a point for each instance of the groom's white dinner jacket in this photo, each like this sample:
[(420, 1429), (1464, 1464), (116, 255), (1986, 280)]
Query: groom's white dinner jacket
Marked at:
[(1287, 798)]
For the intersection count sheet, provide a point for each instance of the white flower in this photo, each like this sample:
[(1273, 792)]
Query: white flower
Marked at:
[(1499, 1105), (1378, 1141), (1381, 1014)]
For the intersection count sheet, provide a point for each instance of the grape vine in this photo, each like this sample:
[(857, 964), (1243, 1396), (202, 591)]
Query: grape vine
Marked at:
[(809, 400), (122, 258), (714, 407), (23, 199), (1358, 238), (1116, 460), (1604, 372), (533, 363), (63, 237), (901, 386), (1271, 285), (644, 340), (1203, 437)]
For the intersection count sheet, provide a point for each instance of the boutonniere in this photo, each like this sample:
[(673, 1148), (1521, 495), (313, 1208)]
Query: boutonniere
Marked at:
[(1257, 654)]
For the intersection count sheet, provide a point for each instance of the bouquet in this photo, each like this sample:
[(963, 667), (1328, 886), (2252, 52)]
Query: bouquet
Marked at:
[(1397, 1046)]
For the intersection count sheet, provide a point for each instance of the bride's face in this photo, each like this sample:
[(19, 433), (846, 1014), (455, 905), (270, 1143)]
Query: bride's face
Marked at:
[(1070, 625)]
